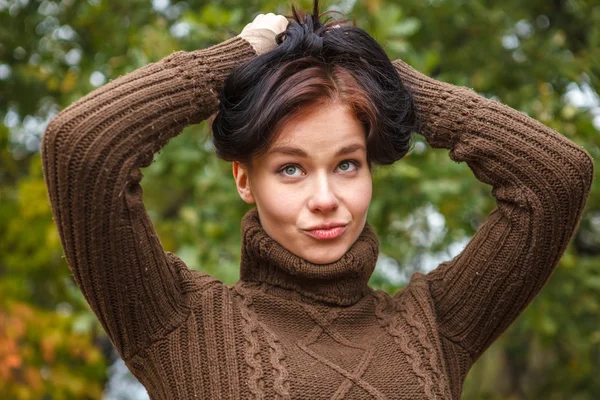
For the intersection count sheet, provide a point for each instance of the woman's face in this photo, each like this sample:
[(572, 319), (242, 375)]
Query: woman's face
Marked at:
[(312, 188)]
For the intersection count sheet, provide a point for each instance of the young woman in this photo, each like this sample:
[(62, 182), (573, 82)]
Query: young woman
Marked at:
[(303, 111)]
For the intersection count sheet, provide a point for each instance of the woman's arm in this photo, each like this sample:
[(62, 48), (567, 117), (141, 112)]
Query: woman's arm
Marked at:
[(540, 182), (92, 153)]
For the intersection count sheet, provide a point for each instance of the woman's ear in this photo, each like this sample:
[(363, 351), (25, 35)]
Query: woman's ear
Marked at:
[(242, 181)]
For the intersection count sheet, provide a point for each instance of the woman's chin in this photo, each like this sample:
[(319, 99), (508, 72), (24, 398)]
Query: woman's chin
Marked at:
[(323, 254)]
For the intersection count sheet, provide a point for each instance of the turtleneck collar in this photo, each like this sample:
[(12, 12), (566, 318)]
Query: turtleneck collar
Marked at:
[(342, 282)]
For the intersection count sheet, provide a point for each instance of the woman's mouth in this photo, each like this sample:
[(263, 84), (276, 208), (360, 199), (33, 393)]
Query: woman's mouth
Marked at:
[(325, 234)]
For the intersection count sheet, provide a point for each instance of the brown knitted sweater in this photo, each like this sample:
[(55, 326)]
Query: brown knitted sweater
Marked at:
[(289, 329)]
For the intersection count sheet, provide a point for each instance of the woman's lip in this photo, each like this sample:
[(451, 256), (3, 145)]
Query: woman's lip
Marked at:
[(326, 234)]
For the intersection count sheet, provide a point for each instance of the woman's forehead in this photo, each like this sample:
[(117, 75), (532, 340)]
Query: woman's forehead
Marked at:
[(331, 127)]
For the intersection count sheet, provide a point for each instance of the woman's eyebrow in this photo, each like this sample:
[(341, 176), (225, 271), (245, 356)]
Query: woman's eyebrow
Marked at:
[(295, 151), (350, 149)]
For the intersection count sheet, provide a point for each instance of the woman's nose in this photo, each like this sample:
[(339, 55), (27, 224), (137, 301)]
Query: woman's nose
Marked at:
[(323, 198)]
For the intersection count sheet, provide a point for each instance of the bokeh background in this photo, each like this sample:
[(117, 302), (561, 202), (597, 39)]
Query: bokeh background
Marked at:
[(539, 56)]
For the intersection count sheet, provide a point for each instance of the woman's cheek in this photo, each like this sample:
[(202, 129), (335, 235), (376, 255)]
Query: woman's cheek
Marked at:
[(283, 199), (359, 193)]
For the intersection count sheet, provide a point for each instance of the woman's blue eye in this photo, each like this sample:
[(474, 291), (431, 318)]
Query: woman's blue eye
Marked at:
[(347, 166), (291, 170)]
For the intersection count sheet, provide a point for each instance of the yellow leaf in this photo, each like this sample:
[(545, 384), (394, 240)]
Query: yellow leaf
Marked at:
[(68, 83)]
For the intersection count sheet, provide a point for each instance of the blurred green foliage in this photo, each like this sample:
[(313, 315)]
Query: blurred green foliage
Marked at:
[(541, 57)]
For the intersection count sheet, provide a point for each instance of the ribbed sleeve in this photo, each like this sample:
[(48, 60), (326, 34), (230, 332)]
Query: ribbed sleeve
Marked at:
[(540, 181), (92, 153)]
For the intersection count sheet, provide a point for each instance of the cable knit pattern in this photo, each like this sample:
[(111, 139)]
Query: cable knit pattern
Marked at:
[(324, 325), (253, 356), (281, 384), (290, 329), (401, 336), (410, 311)]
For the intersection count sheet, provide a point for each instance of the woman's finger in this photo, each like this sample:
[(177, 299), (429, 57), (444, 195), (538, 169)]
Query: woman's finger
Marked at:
[(282, 22)]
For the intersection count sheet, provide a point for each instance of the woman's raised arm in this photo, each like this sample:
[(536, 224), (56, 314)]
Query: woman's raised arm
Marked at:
[(92, 153), (540, 181)]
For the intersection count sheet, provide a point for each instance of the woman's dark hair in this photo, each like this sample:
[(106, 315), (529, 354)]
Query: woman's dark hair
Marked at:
[(315, 63)]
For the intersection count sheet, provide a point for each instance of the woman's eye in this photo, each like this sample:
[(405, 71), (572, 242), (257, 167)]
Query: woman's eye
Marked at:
[(347, 166), (291, 171)]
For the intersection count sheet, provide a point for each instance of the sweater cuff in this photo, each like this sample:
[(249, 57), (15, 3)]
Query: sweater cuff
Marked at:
[(443, 110), (211, 66), (224, 57)]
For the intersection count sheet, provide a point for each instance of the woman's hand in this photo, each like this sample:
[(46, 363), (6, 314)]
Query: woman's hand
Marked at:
[(261, 32)]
